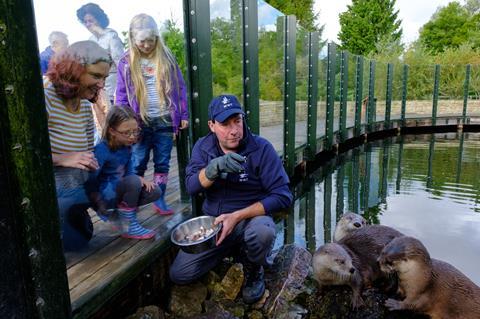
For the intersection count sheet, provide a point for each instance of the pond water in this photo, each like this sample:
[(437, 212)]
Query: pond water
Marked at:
[(426, 186)]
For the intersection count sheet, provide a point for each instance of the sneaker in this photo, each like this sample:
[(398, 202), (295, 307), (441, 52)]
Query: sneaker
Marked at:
[(254, 287)]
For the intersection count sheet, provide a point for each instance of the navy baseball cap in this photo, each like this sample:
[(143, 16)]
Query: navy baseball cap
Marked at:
[(224, 106)]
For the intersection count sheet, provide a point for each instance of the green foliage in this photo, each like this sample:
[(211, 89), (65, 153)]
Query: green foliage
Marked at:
[(173, 38), (368, 22), (450, 27), (302, 9)]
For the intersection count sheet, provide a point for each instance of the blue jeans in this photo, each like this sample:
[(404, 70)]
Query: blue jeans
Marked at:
[(77, 227), (254, 236), (157, 138), (129, 192)]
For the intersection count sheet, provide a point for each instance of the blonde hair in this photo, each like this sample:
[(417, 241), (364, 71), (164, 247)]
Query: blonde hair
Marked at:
[(163, 59)]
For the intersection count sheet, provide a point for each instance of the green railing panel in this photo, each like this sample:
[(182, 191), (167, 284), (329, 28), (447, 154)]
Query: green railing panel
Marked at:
[(473, 108), (289, 97), (380, 90), (330, 110), (372, 100), (397, 87), (250, 64), (451, 90), (322, 92), (436, 88), (359, 79), (351, 87), (420, 83), (466, 87), (388, 95), (365, 91), (404, 93), (313, 43), (271, 73), (301, 103), (342, 125)]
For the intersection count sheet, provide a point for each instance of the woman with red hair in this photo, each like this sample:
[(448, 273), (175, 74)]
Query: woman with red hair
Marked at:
[(72, 83)]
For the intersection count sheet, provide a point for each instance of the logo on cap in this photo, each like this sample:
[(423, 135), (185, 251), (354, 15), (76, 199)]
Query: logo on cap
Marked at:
[(225, 100)]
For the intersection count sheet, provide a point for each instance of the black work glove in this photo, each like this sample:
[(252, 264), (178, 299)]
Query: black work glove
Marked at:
[(229, 163)]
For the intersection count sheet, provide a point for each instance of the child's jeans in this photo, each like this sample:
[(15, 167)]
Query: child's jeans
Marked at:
[(160, 139), (129, 193)]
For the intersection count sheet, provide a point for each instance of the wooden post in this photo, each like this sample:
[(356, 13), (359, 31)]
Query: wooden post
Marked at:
[(33, 281)]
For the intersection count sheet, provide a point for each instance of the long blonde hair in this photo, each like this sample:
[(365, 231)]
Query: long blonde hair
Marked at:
[(163, 59)]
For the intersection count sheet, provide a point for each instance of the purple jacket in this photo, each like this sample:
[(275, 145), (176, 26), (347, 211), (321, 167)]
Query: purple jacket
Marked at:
[(125, 93)]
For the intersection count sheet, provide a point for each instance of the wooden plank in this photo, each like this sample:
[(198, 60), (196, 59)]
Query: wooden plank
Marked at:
[(122, 266)]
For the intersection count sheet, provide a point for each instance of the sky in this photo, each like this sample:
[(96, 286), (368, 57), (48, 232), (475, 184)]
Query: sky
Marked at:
[(413, 13)]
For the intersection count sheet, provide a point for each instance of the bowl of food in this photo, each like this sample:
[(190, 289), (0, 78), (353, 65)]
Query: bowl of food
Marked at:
[(196, 234)]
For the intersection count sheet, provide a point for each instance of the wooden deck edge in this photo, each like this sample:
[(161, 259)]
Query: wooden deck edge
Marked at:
[(89, 303)]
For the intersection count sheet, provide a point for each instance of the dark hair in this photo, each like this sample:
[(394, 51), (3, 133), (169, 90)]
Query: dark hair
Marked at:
[(116, 116), (95, 10)]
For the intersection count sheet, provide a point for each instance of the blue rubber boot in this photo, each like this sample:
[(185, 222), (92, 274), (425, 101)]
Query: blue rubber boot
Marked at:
[(160, 205), (131, 228)]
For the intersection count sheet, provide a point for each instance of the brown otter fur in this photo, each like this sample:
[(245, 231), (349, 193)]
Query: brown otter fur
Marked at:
[(334, 264), (348, 223), (429, 286), (367, 243)]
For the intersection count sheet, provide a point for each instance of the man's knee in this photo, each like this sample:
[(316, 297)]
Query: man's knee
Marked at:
[(262, 234)]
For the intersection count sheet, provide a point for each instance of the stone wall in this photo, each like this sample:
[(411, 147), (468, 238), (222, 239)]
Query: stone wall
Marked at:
[(271, 112)]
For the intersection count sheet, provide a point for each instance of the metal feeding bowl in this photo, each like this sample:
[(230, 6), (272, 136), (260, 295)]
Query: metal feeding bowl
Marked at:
[(196, 235)]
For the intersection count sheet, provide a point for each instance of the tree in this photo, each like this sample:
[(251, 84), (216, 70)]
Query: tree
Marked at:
[(173, 38), (368, 22), (450, 27), (302, 9)]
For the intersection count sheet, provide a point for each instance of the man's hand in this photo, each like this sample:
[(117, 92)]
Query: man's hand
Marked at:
[(229, 221), (82, 160), (229, 163)]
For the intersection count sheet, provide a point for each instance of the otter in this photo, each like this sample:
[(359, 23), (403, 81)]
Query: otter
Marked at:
[(348, 223), (429, 286), (334, 264), (367, 243)]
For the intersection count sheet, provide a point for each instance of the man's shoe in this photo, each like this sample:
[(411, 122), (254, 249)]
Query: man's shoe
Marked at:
[(254, 283)]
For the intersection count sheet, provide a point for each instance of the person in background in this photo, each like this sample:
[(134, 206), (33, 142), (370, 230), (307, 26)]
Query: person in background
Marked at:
[(96, 21), (72, 83), (58, 41), (151, 83), (244, 183), (114, 184)]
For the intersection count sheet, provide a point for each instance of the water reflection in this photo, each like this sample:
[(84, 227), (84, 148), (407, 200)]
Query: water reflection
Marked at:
[(425, 186)]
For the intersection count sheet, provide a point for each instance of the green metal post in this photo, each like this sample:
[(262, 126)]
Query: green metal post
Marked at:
[(343, 95), (290, 227), (331, 68), (460, 157), (431, 152), (199, 62), (33, 279), (327, 209), (356, 181), (466, 87), (290, 91), (312, 94), (371, 109), (358, 94), (436, 87), (404, 93), (399, 166), (310, 217), (388, 97), (199, 71), (340, 191), (384, 179), (251, 93)]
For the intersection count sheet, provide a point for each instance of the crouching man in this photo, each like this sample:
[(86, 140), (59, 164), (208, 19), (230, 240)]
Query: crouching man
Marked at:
[(244, 182)]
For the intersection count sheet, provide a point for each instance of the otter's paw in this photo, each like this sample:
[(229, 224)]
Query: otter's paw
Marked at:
[(357, 302), (393, 304)]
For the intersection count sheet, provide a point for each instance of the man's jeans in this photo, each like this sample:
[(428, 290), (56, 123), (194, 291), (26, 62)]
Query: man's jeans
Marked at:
[(255, 236)]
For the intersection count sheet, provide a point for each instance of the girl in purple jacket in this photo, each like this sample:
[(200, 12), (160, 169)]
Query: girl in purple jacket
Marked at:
[(150, 82)]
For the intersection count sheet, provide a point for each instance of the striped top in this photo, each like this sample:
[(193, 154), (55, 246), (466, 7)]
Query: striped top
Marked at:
[(154, 107), (68, 131)]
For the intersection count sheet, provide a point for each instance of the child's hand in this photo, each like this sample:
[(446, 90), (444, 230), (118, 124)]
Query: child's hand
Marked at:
[(149, 186), (183, 124)]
